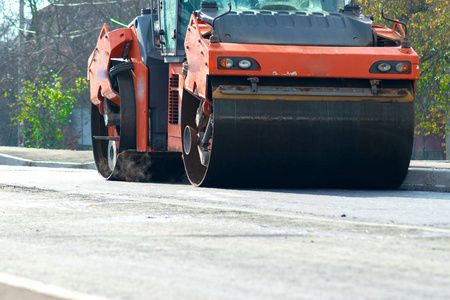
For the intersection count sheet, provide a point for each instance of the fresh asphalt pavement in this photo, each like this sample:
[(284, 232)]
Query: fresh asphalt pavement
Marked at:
[(69, 234)]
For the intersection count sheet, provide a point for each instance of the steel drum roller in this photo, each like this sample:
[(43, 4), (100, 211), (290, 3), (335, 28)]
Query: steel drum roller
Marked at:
[(308, 143)]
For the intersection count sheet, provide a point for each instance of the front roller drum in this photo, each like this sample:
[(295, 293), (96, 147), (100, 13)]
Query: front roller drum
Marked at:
[(285, 143)]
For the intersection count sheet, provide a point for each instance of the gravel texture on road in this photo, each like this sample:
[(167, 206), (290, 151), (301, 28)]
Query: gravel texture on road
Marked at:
[(120, 240)]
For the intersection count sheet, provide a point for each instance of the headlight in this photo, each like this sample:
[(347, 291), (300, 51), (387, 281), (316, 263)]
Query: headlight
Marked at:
[(237, 63), (226, 63), (401, 67), (384, 67), (391, 67), (244, 64)]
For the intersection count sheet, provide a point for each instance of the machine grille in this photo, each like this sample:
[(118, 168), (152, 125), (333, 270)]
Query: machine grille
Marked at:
[(173, 99)]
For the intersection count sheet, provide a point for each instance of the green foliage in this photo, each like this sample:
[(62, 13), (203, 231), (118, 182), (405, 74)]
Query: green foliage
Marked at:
[(42, 110), (429, 29)]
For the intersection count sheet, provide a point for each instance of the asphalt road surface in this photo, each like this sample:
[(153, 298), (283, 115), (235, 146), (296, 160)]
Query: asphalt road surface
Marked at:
[(68, 234)]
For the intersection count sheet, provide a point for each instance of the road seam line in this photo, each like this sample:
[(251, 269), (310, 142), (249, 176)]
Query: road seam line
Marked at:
[(291, 215)]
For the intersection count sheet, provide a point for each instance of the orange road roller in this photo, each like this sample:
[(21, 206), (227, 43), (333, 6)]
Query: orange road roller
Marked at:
[(254, 93)]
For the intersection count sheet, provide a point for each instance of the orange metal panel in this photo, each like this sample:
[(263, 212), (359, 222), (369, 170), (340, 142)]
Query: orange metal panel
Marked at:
[(109, 44), (174, 138), (309, 61), (175, 88), (197, 52)]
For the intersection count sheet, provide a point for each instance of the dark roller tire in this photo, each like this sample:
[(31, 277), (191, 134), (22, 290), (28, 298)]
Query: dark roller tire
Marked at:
[(304, 144)]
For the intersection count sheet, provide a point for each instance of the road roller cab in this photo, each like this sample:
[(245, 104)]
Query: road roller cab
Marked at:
[(254, 93)]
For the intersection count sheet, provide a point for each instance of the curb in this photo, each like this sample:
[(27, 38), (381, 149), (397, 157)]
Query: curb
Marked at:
[(427, 179), (17, 161)]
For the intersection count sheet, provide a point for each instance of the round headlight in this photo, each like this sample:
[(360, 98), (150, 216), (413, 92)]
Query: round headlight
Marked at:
[(226, 63), (384, 67), (244, 64), (401, 67)]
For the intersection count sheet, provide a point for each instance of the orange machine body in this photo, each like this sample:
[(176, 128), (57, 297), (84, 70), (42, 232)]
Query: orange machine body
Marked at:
[(197, 82), (273, 60), (291, 61)]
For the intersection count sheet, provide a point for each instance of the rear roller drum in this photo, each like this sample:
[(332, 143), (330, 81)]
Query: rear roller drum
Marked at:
[(115, 132), (114, 141)]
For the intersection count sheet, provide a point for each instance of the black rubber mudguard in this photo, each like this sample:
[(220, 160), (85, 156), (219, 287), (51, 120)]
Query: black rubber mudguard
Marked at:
[(127, 111)]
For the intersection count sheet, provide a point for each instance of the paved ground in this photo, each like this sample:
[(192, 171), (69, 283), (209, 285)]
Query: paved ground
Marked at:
[(71, 229), (423, 175)]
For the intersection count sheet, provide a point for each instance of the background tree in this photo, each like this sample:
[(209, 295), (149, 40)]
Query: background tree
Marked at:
[(43, 110), (429, 29), (59, 35)]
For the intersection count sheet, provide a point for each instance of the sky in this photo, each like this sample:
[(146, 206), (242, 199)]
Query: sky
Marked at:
[(9, 11), (11, 7)]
